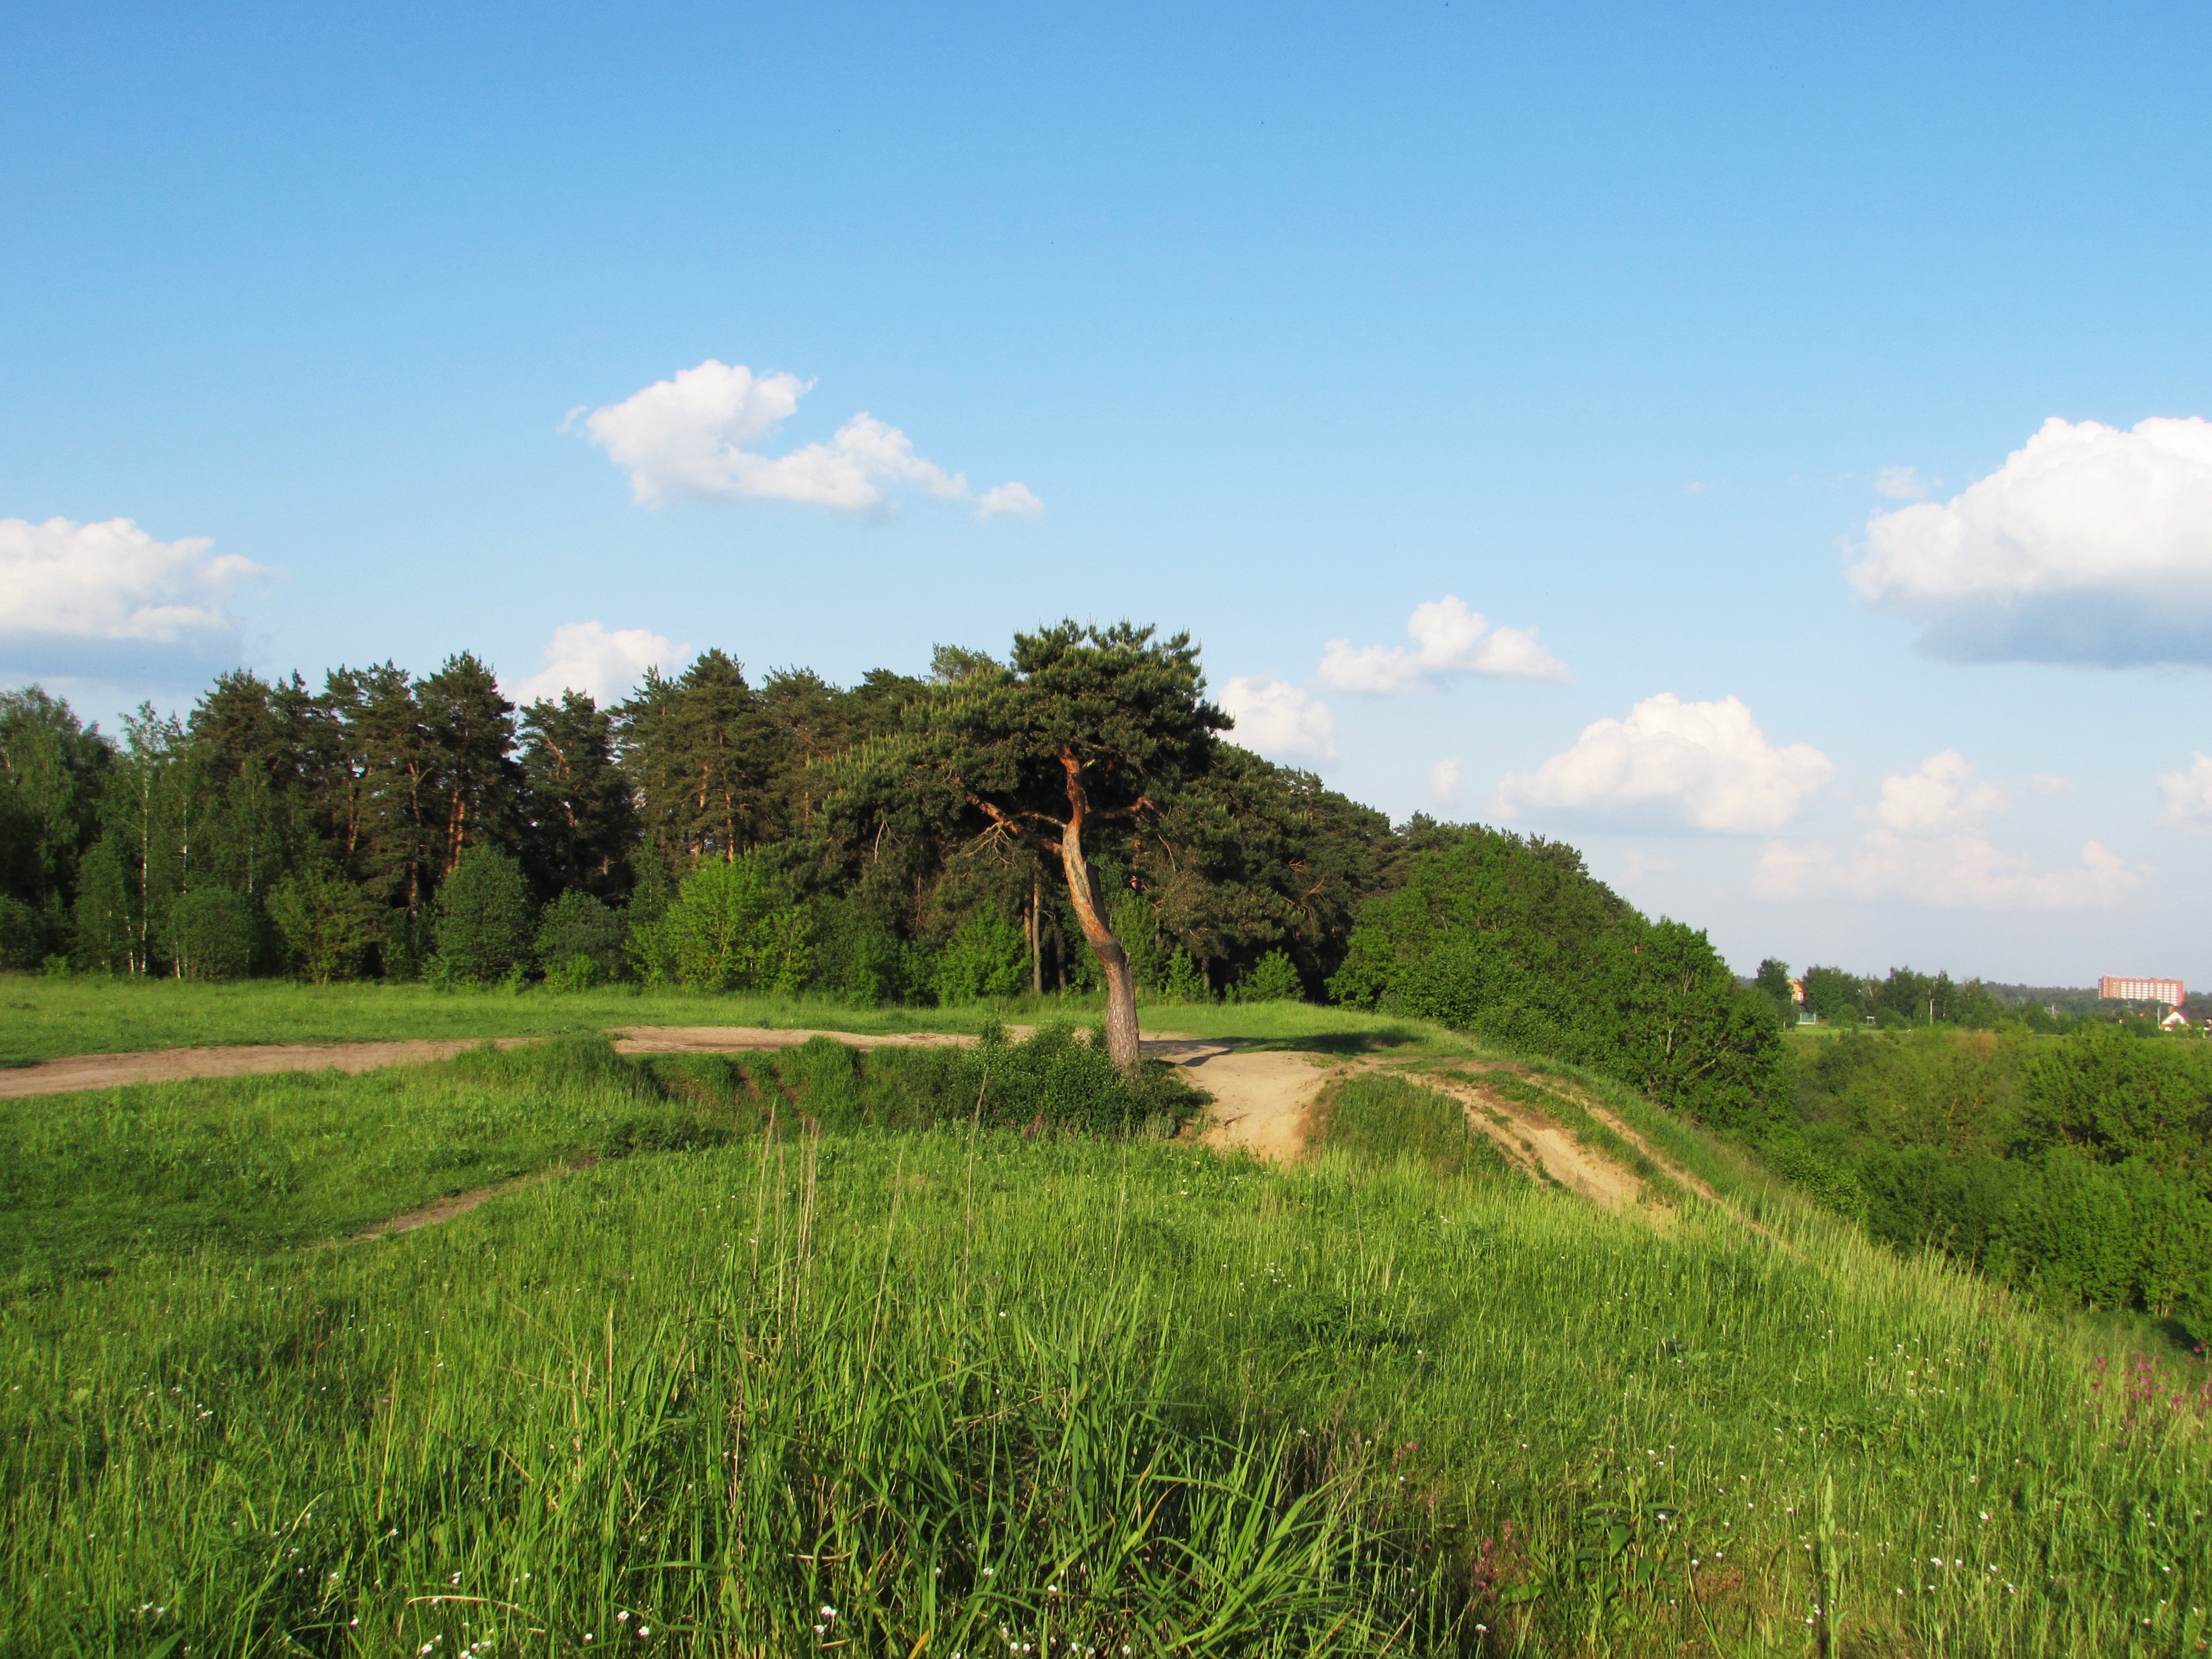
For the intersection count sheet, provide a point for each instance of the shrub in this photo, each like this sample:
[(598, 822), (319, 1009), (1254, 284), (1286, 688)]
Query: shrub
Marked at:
[(484, 916), (1273, 978), (1182, 982), (733, 925), (987, 957), (327, 923), (857, 958), (212, 933), (579, 926)]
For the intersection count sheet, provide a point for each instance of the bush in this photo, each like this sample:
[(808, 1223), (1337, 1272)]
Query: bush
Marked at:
[(212, 933), (484, 916), (859, 958), (733, 925), (987, 957), (580, 926), (1182, 982), (1273, 978), (327, 923)]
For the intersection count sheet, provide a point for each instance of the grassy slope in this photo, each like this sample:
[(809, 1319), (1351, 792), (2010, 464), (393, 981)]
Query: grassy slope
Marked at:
[(721, 1389), (47, 1018)]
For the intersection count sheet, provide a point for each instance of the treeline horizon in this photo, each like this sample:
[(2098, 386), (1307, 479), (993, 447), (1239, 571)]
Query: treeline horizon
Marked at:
[(278, 827)]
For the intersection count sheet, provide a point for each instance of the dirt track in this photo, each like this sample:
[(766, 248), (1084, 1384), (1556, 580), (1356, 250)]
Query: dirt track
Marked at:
[(58, 1077), (1262, 1097)]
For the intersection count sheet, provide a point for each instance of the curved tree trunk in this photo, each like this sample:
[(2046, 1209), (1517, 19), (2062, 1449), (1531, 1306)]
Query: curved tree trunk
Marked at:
[(1122, 1036)]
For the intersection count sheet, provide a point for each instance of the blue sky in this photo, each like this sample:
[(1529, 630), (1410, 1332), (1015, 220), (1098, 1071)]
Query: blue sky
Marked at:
[(1617, 325)]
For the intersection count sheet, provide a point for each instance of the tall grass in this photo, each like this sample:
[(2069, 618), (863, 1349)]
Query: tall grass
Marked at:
[(957, 1391)]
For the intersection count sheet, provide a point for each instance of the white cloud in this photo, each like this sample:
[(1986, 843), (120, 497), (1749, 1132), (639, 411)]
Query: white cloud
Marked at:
[(1444, 778), (1705, 764), (1961, 872), (1448, 640), (1275, 718), (113, 582), (691, 436), (1901, 483), (2051, 783), (1008, 498), (1929, 848), (586, 657), (1944, 795), (2088, 545), (2188, 795)]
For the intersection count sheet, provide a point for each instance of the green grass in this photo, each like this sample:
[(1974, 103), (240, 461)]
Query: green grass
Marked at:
[(1378, 1118), (1022, 1396), (45, 1018)]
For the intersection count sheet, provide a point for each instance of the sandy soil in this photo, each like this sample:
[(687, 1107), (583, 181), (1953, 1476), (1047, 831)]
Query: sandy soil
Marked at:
[(1525, 1134), (1262, 1097)]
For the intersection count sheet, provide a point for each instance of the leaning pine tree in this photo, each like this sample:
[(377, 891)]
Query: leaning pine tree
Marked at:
[(1086, 729)]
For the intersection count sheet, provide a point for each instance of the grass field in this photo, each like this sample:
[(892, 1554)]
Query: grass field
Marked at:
[(45, 1018), (984, 1392)]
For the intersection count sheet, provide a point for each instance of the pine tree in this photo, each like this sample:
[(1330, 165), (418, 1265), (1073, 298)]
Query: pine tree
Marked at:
[(580, 820)]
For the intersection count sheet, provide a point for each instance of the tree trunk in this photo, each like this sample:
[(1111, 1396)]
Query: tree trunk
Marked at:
[(1121, 1037), (1036, 939)]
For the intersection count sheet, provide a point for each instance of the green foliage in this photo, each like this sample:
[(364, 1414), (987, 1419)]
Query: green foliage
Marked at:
[(579, 926), (213, 933), (1513, 939), (987, 956), (1379, 1118), (25, 936), (1182, 982), (483, 930), (734, 925), (858, 959), (327, 923), (1273, 978), (2077, 1167)]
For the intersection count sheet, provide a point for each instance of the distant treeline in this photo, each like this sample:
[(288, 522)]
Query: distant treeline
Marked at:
[(1902, 1000), (391, 826)]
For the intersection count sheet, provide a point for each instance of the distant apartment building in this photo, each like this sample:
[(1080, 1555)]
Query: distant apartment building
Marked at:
[(2168, 991)]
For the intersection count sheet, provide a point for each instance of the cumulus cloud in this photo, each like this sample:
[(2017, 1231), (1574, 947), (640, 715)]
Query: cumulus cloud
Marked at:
[(1705, 764), (694, 435), (1444, 779), (2088, 545), (1928, 847), (1945, 795), (1008, 498), (1277, 718), (112, 581), (1963, 872), (2051, 783), (588, 656), (1448, 640), (2186, 801)]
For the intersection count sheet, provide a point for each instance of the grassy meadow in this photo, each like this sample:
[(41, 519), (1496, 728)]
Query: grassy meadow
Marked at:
[(825, 1353)]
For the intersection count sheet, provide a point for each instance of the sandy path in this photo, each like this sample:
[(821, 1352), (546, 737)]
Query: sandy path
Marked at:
[(1262, 1097), (1527, 1133), (58, 1077), (55, 1077)]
